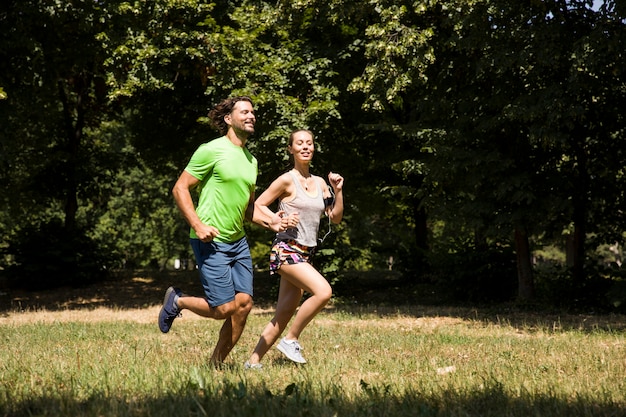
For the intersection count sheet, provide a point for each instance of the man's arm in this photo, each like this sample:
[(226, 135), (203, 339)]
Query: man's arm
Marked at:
[(182, 196)]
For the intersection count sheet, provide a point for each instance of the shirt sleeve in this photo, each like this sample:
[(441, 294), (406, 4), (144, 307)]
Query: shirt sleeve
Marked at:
[(201, 163)]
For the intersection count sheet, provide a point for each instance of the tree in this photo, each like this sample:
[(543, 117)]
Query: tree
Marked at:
[(54, 68), (54, 96), (482, 84)]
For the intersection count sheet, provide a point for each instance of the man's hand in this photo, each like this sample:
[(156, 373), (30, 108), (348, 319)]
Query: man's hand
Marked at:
[(205, 232)]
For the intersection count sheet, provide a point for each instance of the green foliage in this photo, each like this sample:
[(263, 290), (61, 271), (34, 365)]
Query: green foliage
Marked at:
[(509, 143), (483, 115), (603, 290), (150, 45), (140, 226), (336, 253), (476, 276)]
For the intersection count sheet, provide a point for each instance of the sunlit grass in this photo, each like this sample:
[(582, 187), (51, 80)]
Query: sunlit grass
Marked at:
[(362, 362)]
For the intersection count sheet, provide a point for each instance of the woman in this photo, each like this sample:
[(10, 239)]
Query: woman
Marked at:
[(303, 199)]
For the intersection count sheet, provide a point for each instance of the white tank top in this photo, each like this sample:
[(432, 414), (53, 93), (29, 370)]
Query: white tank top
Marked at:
[(310, 210)]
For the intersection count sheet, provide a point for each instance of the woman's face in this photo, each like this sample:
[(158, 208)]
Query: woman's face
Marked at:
[(302, 146)]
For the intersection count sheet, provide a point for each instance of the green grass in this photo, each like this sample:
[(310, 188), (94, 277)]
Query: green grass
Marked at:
[(362, 362)]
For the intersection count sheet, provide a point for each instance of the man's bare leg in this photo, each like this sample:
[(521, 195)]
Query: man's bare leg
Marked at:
[(201, 307), (232, 328)]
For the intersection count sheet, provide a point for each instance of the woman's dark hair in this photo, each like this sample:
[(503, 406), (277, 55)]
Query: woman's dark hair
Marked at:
[(217, 113)]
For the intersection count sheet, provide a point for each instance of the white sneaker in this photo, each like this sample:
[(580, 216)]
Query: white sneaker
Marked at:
[(249, 365), (291, 349)]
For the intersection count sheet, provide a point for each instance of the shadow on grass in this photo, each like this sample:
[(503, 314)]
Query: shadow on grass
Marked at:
[(234, 400), (384, 296), (123, 290)]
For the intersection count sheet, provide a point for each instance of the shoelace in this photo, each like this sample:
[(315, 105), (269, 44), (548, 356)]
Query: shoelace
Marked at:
[(174, 316)]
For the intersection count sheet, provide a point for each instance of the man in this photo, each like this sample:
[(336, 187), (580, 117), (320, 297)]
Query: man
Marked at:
[(225, 173)]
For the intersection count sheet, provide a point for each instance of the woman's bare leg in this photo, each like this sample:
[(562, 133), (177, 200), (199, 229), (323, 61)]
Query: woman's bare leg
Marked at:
[(288, 300), (306, 277)]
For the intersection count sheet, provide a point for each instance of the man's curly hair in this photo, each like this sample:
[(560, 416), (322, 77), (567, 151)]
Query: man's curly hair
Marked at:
[(217, 113)]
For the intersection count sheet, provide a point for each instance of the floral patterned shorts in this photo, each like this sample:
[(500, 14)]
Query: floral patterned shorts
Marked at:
[(288, 252)]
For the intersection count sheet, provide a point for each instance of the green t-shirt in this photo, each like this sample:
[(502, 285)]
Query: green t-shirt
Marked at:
[(227, 175)]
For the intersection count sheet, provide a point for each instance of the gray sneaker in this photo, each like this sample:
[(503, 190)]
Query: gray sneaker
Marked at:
[(291, 349), (249, 365)]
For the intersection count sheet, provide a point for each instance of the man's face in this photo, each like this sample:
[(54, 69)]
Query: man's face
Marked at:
[(241, 119)]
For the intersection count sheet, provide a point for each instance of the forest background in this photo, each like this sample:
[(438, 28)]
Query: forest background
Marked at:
[(482, 141)]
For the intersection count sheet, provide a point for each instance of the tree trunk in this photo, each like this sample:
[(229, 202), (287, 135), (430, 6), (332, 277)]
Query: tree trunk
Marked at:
[(576, 241), (526, 286), (421, 235), (577, 253), (74, 130), (580, 213)]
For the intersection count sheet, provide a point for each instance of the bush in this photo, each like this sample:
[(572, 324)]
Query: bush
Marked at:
[(476, 276), (602, 289), (47, 256)]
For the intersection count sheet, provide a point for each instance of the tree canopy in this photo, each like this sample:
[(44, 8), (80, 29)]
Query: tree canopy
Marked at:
[(482, 141)]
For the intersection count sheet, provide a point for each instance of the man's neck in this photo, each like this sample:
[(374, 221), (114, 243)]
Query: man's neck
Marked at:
[(235, 139)]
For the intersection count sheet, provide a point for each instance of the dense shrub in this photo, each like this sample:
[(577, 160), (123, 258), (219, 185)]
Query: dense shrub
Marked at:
[(48, 256), (476, 275), (603, 289)]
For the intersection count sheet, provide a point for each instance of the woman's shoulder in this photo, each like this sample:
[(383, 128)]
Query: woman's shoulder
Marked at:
[(283, 180), (320, 180), (285, 177)]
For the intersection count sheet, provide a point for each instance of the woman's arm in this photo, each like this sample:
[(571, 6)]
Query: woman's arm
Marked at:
[(264, 216), (335, 212)]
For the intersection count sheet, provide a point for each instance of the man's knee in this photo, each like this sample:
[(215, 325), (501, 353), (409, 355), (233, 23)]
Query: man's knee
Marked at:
[(225, 310), (241, 306), (244, 303)]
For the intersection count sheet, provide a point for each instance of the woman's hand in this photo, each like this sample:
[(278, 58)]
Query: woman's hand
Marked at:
[(336, 181), (280, 222), (292, 220)]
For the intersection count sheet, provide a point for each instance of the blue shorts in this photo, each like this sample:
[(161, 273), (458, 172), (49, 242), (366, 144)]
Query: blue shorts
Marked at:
[(225, 269)]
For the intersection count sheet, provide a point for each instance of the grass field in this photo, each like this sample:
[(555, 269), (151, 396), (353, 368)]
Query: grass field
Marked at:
[(364, 360)]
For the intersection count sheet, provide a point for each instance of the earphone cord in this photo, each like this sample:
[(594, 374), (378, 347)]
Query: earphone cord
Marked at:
[(330, 230)]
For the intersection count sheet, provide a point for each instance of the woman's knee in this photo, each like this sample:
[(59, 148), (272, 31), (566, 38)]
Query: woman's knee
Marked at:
[(325, 293)]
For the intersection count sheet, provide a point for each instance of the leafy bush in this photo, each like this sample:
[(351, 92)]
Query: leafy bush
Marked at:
[(616, 296), (48, 256), (475, 275), (602, 288)]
